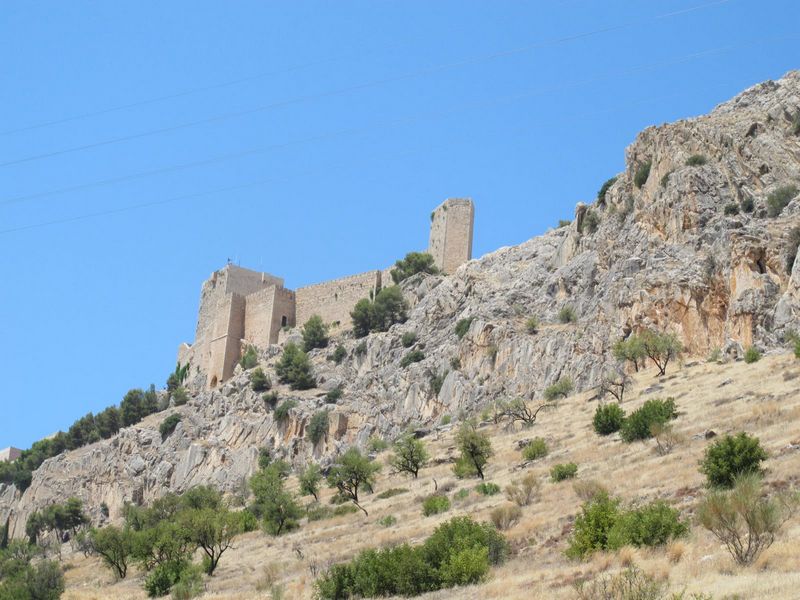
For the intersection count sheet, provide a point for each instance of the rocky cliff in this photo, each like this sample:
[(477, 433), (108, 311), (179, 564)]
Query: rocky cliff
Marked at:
[(688, 247)]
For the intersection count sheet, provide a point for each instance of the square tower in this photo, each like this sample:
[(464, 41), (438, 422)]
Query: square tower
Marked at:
[(451, 233)]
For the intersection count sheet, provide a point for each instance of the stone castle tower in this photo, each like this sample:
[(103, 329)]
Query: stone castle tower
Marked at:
[(451, 233), (240, 307)]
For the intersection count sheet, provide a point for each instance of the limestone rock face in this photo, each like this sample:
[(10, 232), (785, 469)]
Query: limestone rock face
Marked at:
[(666, 254)]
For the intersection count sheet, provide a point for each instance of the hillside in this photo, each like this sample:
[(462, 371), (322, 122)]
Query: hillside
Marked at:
[(759, 398)]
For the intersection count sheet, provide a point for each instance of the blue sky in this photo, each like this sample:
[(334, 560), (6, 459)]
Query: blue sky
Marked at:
[(307, 139)]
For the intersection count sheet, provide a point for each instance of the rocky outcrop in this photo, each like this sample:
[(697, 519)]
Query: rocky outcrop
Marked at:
[(677, 250)]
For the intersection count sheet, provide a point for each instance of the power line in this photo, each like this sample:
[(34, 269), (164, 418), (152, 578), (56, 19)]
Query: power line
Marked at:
[(392, 122), (362, 86)]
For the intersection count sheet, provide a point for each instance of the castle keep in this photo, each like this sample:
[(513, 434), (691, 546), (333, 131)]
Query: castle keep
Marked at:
[(240, 307)]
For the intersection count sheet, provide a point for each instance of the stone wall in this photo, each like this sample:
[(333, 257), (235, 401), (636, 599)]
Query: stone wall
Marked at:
[(451, 233), (266, 312), (224, 348), (333, 300), (9, 454)]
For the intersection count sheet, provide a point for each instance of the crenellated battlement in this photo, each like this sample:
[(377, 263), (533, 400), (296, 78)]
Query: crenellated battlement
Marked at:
[(241, 307)]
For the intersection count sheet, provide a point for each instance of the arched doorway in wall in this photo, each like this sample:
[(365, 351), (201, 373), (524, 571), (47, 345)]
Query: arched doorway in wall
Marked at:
[(214, 381)]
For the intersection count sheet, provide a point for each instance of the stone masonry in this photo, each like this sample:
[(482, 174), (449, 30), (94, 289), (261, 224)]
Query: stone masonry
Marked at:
[(10, 454), (240, 307)]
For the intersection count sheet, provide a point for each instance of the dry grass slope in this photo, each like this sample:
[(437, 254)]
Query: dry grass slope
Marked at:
[(759, 398)]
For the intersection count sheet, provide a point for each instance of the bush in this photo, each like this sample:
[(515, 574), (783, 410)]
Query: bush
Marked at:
[(590, 222), (642, 174), (270, 399), (259, 380), (249, 358), (608, 418), (294, 368), (592, 526), (437, 381), (160, 580), (696, 160), (560, 389), (752, 355), (532, 325), (638, 425), (377, 444), (654, 524), (433, 505), (318, 427), (601, 194), (747, 205), (462, 326), (281, 414), (413, 263), (522, 492), (731, 209), (408, 339), (445, 420), (567, 315), (744, 519), (505, 517), (779, 199), (536, 448), (413, 356), (388, 308), (793, 246), (630, 584), (339, 354), (659, 347), (168, 425), (732, 456), (391, 493), (387, 521), (361, 349), (334, 395), (563, 223), (315, 333), (563, 471), (487, 489)]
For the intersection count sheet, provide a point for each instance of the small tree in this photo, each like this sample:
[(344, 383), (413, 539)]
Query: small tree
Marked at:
[(212, 530), (779, 199), (475, 448), (278, 506), (259, 380), (318, 427), (639, 424), (630, 350), (744, 519), (309, 481), (732, 456), (294, 368), (362, 316), (614, 384), (661, 348), (114, 545), (560, 389), (567, 315), (249, 358), (168, 425), (517, 410), (413, 263), (409, 455), (642, 173), (353, 472), (315, 333)]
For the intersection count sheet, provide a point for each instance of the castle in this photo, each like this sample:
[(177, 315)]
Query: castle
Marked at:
[(240, 307)]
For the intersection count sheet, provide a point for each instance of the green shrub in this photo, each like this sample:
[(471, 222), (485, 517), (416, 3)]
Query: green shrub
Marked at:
[(630, 584), (796, 124), (747, 205), (281, 414), (642, 174), (168, 425), (339, 354), (532, 325), (590, 222), (475, 448), (638, 425), (408, 339), (665, 179), (608, 418), (487, 489), (460, 495), (536, 448), (752, 355), (560, 389), (696, 160), (793, 247), (318, 427), (412, 356), (445, 420), (730, 457), (437, 381), (455, 363), (779, 199), (462, 326), (361, 349), (387, 521), (564, 223), (465, 567), (249, 358), (334, 395), (654, 524), (294, 368), (731, 209), (433, 505), (315, 333), (391, 493), (601, 194), (413, 263), (377, 444), (179, 396), (160, 580), (563, 471), (270, 399), (259, 380), (797, 349), (190, 583), (592, 526), (388, 308), (567, 315)]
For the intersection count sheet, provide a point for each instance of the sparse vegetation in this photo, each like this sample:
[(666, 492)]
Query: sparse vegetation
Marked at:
[(747, 205), (532, 325), (590, 222), (731, 209), (435, 504), (752, 355), (535, 449), (388, 307), (294, 368), (506, 516), (318, 427), (792, 248), (614, 383), (608, 418), (310, 480), (563, 471), (523, 491), (487, 488), (408, 339), (412, 356), (259, 381), (334, 395), (339, 354), (249, 358), (437, 381), (315, 334), (779, 199), (168, 425), (642, 174), (696, 160), (563, 223), (281, 414), (731, 456), (377, 444), (413, 263), (601, 194), (462, 326), (567, 315)]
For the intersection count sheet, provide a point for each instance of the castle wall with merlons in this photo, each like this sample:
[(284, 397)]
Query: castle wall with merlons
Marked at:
[(333, 300)]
